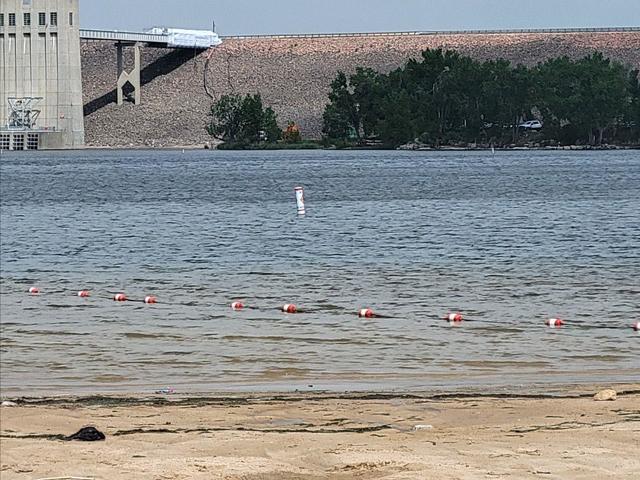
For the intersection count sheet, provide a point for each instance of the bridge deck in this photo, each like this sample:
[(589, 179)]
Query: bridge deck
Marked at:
[(159, 40), (171, 39)]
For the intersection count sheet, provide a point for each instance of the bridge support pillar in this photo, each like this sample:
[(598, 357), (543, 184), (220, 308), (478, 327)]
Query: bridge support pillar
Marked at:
[(132, 77)]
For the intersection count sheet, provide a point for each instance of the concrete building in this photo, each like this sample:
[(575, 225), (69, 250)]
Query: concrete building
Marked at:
[(40, 77)]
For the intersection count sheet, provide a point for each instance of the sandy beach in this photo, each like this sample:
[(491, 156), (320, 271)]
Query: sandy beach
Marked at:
[(336, 436)]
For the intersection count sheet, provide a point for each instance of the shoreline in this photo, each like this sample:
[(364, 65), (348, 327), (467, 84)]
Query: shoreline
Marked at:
[(181, 393), (567, 148), (311, 437), (319, 147), (521, 392)]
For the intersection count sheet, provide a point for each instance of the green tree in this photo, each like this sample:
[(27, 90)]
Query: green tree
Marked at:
[(589, 95), (396, 125), (604, 88), (444, 97), (226, 122), (506, 97), (252, 114), (270, 125), (632, 114), (341, 120), (368, 97), (237, 119)]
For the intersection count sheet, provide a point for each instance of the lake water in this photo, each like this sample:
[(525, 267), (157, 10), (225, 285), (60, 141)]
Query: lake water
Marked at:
[(508, 239)]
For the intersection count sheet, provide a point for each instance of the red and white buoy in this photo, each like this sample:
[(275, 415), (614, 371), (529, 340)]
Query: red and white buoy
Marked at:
[(554, 322), (366, 313), (300, 200), (289, 308), (454, 317), (237, 306), (84, 293), (150, 299), (34, 290), (636, 326), (120, 297)]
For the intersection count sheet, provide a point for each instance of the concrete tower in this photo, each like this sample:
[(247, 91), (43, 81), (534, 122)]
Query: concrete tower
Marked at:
[(40, 79)]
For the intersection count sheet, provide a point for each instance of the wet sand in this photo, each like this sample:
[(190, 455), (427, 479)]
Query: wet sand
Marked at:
[(333, 436)]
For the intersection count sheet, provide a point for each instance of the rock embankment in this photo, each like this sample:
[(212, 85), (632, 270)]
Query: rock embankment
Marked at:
[(292, 74)]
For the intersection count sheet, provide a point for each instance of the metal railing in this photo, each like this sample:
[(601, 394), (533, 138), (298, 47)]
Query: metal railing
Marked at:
[(116, 36), (436, 32)]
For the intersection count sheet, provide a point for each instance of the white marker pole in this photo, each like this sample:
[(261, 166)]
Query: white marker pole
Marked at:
[(300, 200)]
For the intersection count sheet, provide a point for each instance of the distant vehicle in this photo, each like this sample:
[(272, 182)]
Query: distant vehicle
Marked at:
[(531, 125)]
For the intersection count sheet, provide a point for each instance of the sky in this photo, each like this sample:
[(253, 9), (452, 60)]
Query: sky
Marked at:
[(242, 17)]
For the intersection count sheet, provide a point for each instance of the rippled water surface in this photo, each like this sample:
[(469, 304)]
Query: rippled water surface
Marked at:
[(508, 239)]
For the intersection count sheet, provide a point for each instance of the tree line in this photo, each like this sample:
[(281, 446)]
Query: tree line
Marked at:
[(444, 98), (244, 122)]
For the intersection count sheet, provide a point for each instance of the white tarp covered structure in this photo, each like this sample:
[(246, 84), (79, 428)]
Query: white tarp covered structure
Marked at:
[(187, 38)]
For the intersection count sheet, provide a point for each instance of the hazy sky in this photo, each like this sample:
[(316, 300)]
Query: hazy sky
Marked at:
[(234, 17)]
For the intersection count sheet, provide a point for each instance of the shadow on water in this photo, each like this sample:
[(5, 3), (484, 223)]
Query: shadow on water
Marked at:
[(162, 66)]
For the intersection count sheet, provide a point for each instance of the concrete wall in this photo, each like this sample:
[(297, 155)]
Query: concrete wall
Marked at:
[(43, 60)]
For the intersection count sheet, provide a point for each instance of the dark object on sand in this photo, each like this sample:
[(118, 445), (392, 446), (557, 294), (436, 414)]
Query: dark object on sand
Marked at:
[(87, 434)]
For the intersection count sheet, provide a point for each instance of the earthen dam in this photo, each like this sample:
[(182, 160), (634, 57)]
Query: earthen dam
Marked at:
[(292, 73)]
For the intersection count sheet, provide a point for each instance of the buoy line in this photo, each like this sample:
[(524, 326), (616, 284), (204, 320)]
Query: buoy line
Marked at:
[(366, 313)]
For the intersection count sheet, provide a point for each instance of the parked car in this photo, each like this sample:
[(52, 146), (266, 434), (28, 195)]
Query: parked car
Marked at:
[(531, 125)]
